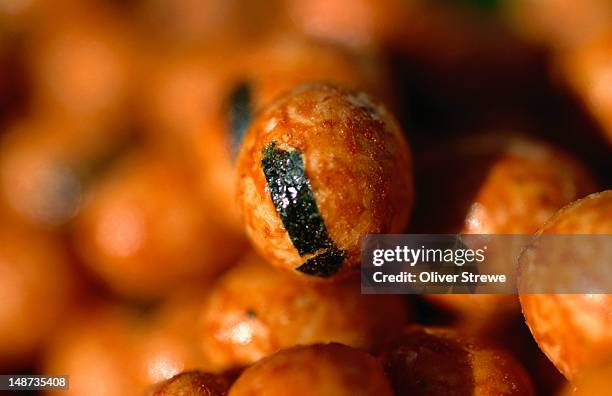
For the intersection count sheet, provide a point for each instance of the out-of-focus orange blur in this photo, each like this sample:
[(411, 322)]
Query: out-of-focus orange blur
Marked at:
[(118, 134)]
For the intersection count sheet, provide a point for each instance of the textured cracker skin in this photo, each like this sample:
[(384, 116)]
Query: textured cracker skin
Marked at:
[(510, 184), (255, 309), (433, 361), (321, 369), (192, 383), (357, 162), (574, 330)]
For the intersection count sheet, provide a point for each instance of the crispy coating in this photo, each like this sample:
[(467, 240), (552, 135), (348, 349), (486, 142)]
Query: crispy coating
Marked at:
[(432, 361), (588, 69), (254, 310), (334, 147), (509, 184), (322, 369), (594, 382), (574, 330), (144, 229), (193, 383), (35, 289)]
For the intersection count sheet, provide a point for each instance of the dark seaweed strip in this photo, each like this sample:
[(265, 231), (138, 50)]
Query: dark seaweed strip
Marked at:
[(294, 201), (240, 113), (324, 264), (296, 206)]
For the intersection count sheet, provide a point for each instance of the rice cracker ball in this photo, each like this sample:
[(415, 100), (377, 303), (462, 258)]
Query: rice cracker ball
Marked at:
[(440, 361), (254, 310), (194, 383), (573, 330), (319, 169), (322, 369)]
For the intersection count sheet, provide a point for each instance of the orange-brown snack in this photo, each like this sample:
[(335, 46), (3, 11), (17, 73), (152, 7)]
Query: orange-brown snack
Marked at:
[(22, 17), (35, 290), (432, 361), (360, 23), (284, 61), (322, 369), (508, 184), (201, 23), (574, 330), (81, 64), (192, 383), (319, 169), (594, 382), (46, 164), (15, 16), (215, 90), (96, 350), (255, 309), (207, 98), (588, 70), (184, 92), (144, 229), (168, 343), (560, 23)]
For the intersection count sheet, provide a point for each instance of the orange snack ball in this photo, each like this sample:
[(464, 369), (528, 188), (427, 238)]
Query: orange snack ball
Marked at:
[(284, 61), (361, 23), (193, 383), (217, 90), (168, 344), (574, 330), (560, 23), (23, 17), (437, 361), (588, 69), (323, 369), (95, 349), (594, 382), (273, 68), (45, 165), (208, 98), (319, 169), (206, 22), (183, 94), (254, 310), (35, 290), (82, 64), (509, 185), (144, 230)]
